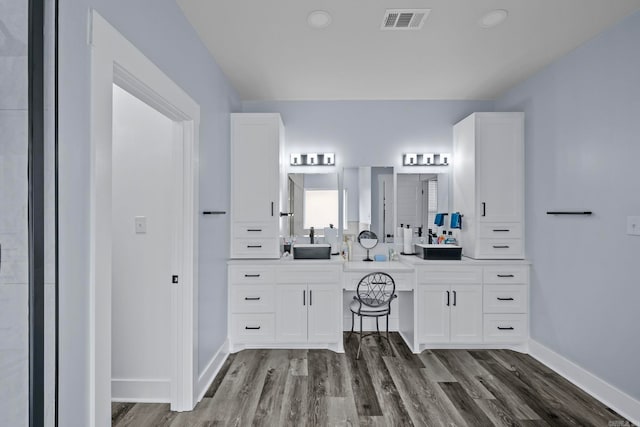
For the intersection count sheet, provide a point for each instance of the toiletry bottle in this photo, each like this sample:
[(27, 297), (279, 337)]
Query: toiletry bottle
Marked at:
[(442, 238), (450, 240)]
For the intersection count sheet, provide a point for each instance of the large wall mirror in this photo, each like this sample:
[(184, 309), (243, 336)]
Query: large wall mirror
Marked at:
[(420, 196), (313, 202), (368, 200)]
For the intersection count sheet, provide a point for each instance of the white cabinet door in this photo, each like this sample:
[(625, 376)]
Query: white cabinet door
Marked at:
[(500, 177), (291, 313), (255, 168), (324, 311), (433, 313), (466, 313)]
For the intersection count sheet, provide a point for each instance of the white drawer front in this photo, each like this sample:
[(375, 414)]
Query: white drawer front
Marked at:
[(253, 328), (253, 230), (506, 274), (501, 249), (505, 299), (505, 328), (255, 248), (251, 274), (449, 275), (403, 281), (498, 230), (252, 298), (308, 274)]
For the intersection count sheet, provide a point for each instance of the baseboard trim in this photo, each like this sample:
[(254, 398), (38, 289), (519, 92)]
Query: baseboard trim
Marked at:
[(213, 367), (141, 390), (614, 398)]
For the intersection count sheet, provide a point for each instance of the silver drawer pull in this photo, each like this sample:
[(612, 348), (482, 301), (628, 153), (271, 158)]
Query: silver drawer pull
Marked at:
[(251, 275), (507, 328), (252, 327), (505, 275), (259, 246), (505, 299), (500, 230), (252, 298), (501, 246), (254, 229)]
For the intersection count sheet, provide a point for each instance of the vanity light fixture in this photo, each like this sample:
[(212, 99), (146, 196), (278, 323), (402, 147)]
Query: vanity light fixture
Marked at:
[(312, 159), (426, 159)]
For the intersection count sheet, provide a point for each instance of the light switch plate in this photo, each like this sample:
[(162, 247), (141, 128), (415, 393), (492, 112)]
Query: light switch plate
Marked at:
[(141, 224), (633, 225)]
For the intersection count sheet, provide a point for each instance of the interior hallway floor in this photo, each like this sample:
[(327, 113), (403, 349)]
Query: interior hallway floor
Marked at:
[(388, 386)]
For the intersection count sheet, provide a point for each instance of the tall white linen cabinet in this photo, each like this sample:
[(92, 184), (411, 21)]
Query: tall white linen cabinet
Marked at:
[(488, 184), (257, 169)]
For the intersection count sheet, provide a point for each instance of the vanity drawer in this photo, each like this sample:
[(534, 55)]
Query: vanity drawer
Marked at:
[(505, 328), (506, 274), (255, 248), (252, 298), (501, 230), (404, 281), (309, 274), (254, 230), (449, 275), (251, 274), (253, 328), (500, 248), (505, 299)]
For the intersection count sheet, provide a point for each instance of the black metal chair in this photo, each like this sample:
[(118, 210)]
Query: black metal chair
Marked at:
[(373, 298)]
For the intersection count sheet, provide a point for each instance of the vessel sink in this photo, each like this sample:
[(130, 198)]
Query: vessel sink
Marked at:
[(311, 251), (438, 252)]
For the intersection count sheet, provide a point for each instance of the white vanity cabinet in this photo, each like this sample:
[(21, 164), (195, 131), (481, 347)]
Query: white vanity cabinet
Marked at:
[(276, 304), (506, 304), (488, 182), (256, 175), (449, 305)]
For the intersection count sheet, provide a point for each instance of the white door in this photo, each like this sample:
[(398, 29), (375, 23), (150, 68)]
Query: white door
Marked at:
[(499, 163), (255, 181), (466, 313), (434, 302), (324, 313), (291, 313)]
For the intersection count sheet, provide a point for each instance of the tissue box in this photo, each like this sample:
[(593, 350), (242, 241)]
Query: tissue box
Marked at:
[(439, 252)]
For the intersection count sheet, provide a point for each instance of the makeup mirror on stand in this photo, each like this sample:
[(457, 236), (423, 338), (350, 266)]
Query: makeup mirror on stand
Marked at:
[(367, 240)]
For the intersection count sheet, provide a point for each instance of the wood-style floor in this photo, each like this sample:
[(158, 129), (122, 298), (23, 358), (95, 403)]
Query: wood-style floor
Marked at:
[(388, 386)]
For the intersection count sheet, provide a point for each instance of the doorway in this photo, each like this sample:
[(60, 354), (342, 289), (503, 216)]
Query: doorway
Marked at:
[(114, 60)]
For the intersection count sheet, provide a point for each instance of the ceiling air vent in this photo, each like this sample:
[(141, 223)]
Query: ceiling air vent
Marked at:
[(404, 19)]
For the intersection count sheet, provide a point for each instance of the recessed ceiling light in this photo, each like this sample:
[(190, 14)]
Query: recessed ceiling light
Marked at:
[(493, 18), (319, 19)]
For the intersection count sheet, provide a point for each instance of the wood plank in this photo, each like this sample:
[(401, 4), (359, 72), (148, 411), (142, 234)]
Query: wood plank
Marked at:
[(294, 402), (147, 414), (364, 393), (498, 413), (434, 370), (426, 404), (388, 396), (317, 387), (220, 376), (403, 351), (466, 407), (119, 410), (270, 402), (464, 374)]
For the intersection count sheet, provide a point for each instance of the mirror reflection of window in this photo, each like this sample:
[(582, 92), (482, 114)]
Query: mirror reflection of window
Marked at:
[(320, 209)]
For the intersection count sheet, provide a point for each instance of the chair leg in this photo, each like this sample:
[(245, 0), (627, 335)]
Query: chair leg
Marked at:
[(352, 321), (360, 343), (388, 327), (377, 327)]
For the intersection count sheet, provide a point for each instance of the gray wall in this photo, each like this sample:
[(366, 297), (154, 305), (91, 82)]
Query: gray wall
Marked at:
[(368, 133), (159, 29), (582, 152)]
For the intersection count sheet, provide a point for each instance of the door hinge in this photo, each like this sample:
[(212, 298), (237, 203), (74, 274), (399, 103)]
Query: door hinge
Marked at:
[(174, 279)]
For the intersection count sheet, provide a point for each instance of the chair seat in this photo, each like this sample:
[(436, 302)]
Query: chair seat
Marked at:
[(365, 310)]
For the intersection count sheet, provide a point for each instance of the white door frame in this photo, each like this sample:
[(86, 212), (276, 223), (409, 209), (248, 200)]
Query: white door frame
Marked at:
[(115, 60)]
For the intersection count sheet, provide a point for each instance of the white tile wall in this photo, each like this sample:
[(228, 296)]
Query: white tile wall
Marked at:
[(14, 321)]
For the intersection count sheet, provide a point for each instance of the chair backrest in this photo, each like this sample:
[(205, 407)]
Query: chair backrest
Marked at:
[(376, 289)]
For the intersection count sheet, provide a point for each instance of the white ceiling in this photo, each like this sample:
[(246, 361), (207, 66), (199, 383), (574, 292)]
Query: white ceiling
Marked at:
[(269, 52)]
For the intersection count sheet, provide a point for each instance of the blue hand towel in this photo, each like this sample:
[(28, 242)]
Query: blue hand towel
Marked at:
[(456, 220), (439, 220)]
